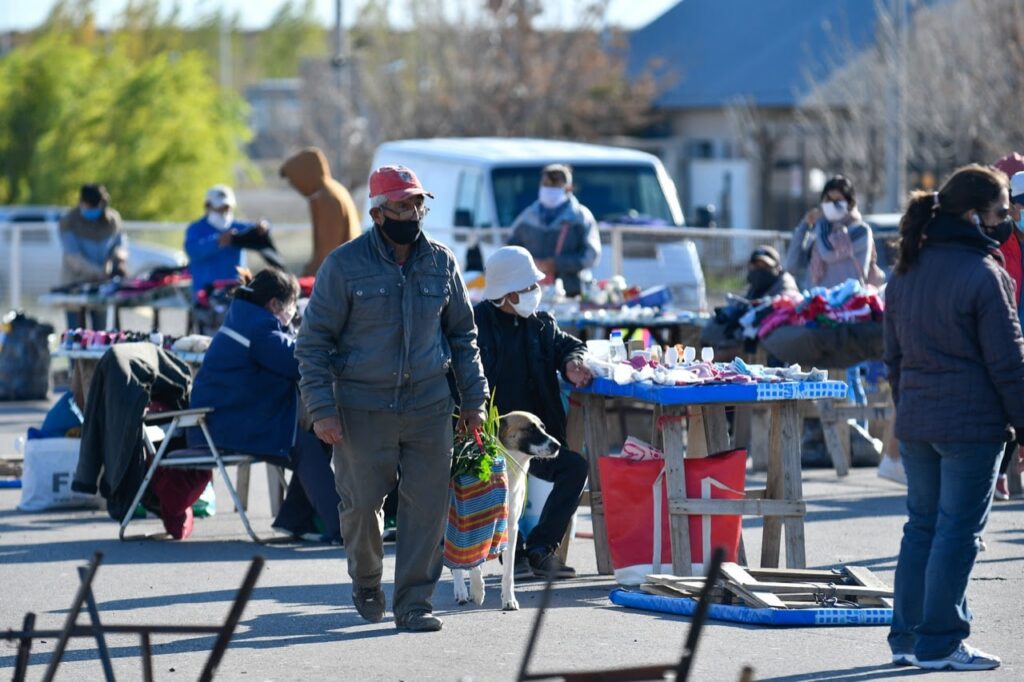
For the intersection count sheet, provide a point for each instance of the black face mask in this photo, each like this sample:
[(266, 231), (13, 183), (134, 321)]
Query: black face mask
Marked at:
[(1001, 232), (761, 280), (401, 231)]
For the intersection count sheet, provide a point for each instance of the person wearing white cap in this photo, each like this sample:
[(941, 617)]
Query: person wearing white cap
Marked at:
[(213, 251), (523, 351)]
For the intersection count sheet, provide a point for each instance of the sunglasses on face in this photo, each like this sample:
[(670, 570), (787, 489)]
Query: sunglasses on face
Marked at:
[(417, 212), (1000, 213)]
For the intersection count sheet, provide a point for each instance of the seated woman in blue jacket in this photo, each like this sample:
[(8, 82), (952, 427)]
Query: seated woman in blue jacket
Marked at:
[(250, 378)]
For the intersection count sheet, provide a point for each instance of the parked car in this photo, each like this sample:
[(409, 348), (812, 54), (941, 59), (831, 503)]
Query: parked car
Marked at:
[(40, 249), (486, 182)]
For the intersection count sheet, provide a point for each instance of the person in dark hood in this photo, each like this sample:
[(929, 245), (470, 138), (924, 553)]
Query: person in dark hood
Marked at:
[(766, 277), (955, 356), (334, 215)]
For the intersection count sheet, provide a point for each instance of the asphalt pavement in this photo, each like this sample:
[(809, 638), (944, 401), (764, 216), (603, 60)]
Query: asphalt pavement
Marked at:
[(300, 623)]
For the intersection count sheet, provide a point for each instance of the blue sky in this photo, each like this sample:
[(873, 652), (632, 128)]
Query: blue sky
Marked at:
[(24, 14)]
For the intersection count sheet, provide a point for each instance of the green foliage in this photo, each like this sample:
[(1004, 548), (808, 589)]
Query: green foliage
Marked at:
[(475, 453), (156, 129), (294, 34)]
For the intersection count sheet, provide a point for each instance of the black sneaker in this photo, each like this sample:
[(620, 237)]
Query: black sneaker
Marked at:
[(523, 569), (547, 564), (419, 621), (369, 603)]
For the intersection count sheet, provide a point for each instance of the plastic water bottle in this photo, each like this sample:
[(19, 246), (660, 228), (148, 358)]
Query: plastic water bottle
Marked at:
[(707, 353), (617, 348), (689, 354)]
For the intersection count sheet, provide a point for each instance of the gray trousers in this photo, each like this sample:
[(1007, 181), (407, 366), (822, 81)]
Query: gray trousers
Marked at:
[(375, 446)]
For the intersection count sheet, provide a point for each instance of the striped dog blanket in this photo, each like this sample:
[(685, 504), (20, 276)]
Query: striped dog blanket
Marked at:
[(477, 518)]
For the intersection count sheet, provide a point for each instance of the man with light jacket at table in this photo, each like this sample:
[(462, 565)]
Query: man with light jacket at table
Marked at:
[(389, 316)]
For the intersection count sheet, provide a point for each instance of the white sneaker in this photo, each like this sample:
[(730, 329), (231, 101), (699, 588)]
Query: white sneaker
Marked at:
[(965, 657), (904, 659), (892, 469)]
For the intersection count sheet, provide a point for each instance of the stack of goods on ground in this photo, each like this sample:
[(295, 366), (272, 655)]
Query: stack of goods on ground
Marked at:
[(849, 595), (24, 358)]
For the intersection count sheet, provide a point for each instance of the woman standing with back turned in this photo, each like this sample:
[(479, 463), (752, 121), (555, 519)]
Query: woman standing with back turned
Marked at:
[(955, 356)]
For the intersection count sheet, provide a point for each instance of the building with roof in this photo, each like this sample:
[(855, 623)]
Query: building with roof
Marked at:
[(731, 69)]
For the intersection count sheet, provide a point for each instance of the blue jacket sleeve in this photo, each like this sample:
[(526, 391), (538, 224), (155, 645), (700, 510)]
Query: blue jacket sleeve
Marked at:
[(274, 350), (201, 243)]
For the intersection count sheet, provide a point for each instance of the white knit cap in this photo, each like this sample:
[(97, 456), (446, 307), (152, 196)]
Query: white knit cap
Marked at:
[(509, 269), (1017, 186)]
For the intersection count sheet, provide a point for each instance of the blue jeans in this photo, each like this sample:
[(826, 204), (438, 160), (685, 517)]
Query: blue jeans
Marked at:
[(311, 490), (949, 495)]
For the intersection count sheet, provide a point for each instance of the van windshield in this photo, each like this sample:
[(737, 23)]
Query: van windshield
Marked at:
[(615, 194)]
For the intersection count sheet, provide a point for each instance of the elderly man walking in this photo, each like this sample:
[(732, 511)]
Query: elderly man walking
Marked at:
[(389, 316)]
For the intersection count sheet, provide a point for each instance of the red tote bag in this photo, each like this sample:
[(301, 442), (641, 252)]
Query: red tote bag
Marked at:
[(635, 532)]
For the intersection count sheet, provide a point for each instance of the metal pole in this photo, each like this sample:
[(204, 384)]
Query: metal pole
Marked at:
[(15, 274), (339, 63), (896, 146), (616, 250), (224, 55)]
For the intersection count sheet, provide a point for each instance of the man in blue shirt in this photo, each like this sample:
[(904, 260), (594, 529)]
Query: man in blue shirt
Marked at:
[(215, 253)]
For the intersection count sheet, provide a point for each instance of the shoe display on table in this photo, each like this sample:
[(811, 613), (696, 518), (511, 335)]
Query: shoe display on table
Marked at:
[(892, 470), (965, 657), (369, 602)]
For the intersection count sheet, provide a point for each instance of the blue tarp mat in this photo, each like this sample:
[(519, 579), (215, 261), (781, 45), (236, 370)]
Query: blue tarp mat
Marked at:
[(682, 606), (717, 393)]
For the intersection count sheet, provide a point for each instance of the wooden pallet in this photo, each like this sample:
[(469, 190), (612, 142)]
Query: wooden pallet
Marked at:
[(770, 588)]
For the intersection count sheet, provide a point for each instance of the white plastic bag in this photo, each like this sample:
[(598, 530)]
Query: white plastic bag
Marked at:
[(50, 465)]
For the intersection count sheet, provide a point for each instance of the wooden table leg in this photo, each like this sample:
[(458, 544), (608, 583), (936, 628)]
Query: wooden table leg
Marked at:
[(760, 437), (771, 540), (242, 484), (792, 482), (837, 438), (596, 437), (682, 563), (573, 441)]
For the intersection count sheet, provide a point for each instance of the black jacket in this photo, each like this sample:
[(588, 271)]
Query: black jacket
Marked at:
[(128, 377), (953, 344), (549, 349)]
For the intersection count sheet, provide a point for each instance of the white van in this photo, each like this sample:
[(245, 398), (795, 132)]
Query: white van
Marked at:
[(486, 182)]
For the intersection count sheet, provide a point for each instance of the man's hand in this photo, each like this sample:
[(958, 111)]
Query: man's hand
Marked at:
[(547, 266), (328, 430), (262, 227), (577, 373), (471, 420), (225, 238)]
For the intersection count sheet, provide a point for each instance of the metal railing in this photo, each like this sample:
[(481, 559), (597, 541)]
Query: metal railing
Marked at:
[(723, 252)]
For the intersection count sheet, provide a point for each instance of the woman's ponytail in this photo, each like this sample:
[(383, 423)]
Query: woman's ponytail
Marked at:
[(920, 210)]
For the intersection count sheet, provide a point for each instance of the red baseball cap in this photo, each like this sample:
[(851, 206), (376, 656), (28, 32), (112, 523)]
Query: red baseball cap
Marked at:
[(395, 183)]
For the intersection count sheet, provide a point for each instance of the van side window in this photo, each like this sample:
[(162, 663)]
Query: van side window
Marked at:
[(467, 199)]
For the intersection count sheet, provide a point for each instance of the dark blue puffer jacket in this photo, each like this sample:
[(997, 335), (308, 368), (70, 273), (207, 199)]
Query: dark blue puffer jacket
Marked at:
[(250, 377)]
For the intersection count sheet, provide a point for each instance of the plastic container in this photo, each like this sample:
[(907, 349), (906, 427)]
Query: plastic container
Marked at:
[(655, 297), (617, 347)]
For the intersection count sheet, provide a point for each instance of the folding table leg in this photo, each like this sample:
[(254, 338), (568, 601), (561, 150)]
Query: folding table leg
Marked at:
[(157, 458), (101, 641), (84, 589), (24, 648), (792, 483), (234, 616)]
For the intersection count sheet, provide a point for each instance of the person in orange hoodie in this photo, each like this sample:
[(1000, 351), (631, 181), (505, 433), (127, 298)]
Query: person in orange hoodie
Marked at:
[(334, 215)]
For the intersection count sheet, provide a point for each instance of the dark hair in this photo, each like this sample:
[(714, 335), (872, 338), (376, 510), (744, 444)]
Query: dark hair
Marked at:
[(842, 184), (94, 194), (972, 187), (267, 285)]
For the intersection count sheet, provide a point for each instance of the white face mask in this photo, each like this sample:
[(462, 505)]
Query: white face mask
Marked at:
[(220, 221), (834, 210), (552, 197), (528, 303)]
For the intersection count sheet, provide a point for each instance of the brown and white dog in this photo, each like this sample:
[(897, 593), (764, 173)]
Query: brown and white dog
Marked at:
[(523, 436)]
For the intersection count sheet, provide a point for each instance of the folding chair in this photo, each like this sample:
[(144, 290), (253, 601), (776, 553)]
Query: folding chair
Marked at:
[(190, 458)]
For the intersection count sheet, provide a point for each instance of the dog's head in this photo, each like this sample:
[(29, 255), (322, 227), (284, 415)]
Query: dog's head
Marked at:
[(523, 432)]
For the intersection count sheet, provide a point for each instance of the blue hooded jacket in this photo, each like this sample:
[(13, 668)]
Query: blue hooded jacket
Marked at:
[(207, 260), (250, 377)]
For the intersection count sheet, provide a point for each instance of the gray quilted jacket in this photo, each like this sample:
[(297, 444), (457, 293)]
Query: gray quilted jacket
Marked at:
[(379, 336), (953, 344)]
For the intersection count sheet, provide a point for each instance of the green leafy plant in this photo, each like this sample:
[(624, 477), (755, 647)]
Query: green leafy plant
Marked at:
[(476, 451)]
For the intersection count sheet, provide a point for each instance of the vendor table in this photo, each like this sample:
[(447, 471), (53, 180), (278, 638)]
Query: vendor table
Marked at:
[(781, 503), (670, 329), (176, 296)]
